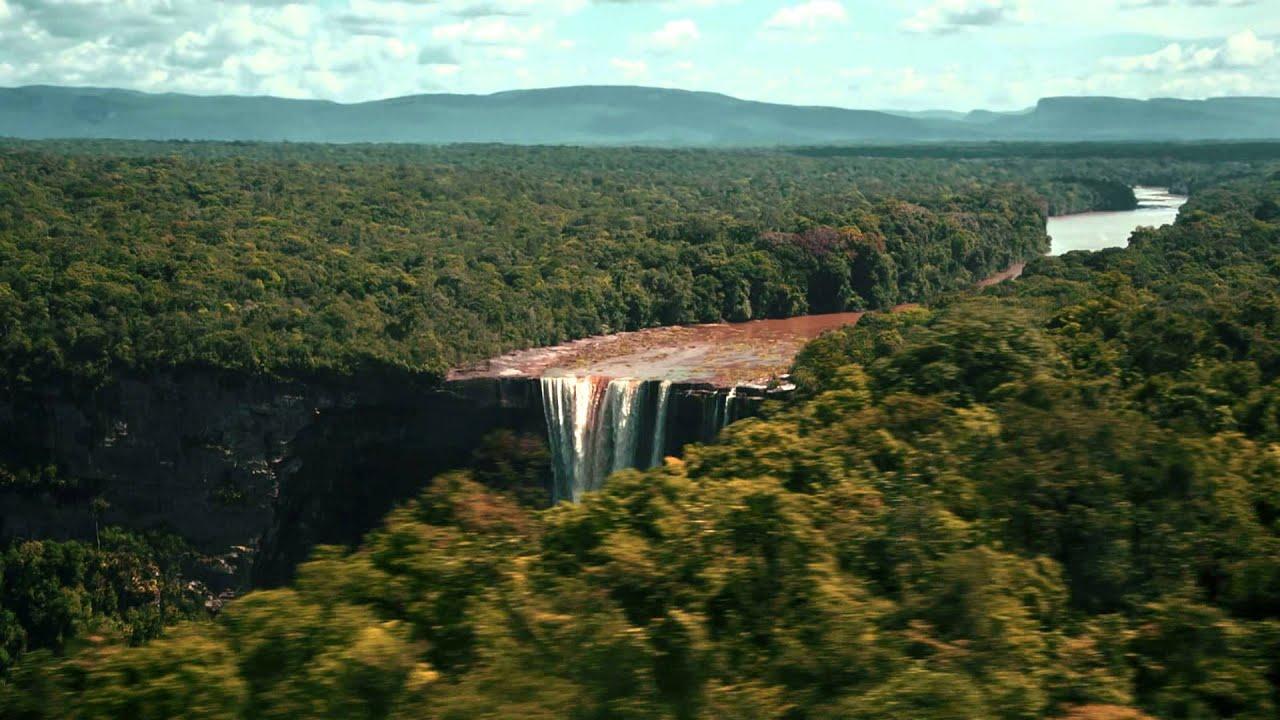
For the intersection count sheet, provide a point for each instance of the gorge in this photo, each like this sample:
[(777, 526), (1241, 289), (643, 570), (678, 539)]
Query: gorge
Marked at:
[(257, 372), (257, 471)]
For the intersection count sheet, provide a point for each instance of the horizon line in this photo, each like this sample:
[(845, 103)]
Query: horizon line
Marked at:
[(620, 86)]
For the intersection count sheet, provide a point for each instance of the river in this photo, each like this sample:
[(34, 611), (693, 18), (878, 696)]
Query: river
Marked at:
[(752, 353), (1099, 230), (721, 354), (611, 401)]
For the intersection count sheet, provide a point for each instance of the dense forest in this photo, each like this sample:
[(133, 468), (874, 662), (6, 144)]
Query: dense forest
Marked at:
[(129, 258), (304, 259), (1054, 498), (303, 265)]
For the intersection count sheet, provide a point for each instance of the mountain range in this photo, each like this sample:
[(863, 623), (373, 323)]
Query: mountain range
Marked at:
[(609, 115)]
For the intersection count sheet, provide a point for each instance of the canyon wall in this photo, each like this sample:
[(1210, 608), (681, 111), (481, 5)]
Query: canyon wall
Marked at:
[(254, 472)]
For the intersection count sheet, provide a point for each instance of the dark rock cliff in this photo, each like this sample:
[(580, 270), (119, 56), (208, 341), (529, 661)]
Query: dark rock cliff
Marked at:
[(255, 471)]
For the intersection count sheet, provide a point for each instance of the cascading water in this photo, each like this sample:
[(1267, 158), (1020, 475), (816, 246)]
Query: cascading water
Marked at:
[(597, 426), (660, 424), (730, 408), (719, 409), (624, 403)]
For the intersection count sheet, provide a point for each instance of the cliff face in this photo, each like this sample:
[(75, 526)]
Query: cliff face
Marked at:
[(344, 471), (236, 465), (189, 452), (257, 471)]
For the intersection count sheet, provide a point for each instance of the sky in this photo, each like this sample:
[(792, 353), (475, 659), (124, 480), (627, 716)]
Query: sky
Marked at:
[(891, 54)]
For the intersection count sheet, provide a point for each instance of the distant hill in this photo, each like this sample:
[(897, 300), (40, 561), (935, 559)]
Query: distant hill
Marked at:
[(607, 115), (1107, 118)]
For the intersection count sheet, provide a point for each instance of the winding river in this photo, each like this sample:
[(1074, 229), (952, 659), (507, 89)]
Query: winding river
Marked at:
[(1099, 230), (611, 401)]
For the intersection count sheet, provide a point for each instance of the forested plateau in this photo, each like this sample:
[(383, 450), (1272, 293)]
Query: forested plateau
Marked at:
[(1055, 497), (304, 265), (306, 259)]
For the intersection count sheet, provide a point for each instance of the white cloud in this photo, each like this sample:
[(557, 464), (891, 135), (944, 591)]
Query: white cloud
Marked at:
[(352, 50), (488, 31), (630, 68), (909, 81), (1172, 57), (948, 16), (1242, 50), (265, 61), (1245, 49), (356, 51), (810, 15), (675, 34)]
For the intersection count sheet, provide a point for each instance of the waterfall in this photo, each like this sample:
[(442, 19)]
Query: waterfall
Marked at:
[(624, 405), (730, 412), (595, 426), (719, 409), (567, 402), (660, 424)]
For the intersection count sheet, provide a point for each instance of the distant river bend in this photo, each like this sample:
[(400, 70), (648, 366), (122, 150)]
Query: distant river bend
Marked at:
[(1100, 230)]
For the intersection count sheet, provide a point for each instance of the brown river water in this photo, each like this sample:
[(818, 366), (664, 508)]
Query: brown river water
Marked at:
[(721, 354)]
